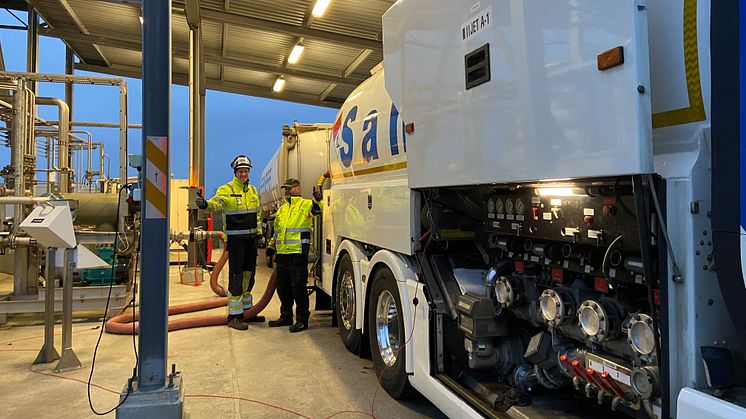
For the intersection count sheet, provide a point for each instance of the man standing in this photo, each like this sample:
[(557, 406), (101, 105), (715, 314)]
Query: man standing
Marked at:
[(239, 202), (291, 240)]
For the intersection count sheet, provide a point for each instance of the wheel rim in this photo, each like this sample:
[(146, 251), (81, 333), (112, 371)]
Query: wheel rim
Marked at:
[(387, 328), (346, 300)]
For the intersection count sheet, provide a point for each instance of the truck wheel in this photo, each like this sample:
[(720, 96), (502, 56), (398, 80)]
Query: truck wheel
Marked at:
[(386, 332), (345, 302)]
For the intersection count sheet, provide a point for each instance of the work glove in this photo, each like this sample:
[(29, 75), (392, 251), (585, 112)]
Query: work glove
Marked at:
[(317, 194), (200, 201), (269, 252)]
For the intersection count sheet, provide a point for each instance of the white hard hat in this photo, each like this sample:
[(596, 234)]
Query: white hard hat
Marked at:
[(240, 162)]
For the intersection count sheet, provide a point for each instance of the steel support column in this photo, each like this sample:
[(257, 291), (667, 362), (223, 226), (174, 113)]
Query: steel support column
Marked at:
[(155, 241), (151, 395)]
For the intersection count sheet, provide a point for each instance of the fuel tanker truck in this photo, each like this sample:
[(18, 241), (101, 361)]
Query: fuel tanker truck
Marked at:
[(536, 211)]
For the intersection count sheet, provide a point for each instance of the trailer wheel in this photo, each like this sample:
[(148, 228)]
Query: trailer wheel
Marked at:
[(386, 332), (345, 302)]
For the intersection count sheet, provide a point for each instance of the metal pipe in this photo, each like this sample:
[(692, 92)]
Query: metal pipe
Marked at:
[(32, 44), (97, 124), (123, 134), (22, 200), (63, 155), (108, 81), (90, 145)]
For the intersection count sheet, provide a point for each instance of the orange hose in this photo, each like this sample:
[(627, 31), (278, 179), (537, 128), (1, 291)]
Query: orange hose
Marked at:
[(120, 324)]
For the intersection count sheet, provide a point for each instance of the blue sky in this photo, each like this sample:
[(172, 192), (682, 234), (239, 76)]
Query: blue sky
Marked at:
[(234, 124)]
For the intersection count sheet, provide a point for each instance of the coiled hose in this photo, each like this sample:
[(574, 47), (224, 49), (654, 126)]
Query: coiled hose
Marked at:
[(120, 324)]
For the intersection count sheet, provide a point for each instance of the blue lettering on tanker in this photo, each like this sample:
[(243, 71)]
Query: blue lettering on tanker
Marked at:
[(370, 142), (343, 136), (347, 138)]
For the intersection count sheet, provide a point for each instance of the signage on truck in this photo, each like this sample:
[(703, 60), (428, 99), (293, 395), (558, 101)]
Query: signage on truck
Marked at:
[(368, 138)]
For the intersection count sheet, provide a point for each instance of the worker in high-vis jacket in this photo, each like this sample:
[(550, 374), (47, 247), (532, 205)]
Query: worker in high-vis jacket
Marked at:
[(291, 241), (239, 202)]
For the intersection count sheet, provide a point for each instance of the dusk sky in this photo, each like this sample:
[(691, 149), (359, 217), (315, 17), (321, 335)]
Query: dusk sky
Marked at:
[(234, 124)]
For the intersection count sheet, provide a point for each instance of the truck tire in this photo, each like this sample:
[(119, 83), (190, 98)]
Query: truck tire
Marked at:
[(346, 306), (386, 333)]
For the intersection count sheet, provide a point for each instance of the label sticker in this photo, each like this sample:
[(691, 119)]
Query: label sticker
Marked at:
[(535, 200), (496, 224), (547, 216), (515, 226), (476, 24), (519, 217), (490, 215), (588, 211), (500, 216), (613, 372), (156, 167), (535, 259), (593, 234), (556, 202), (511, 217)]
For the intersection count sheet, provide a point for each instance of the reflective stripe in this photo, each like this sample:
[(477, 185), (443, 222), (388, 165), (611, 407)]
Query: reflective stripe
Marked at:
[(298, 230), (241, 211), (288, 241), (235, 305), (305, 241), (237, 232)]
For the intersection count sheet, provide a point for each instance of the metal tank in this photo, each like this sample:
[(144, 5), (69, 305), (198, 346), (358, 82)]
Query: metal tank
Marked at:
[(301, 155)]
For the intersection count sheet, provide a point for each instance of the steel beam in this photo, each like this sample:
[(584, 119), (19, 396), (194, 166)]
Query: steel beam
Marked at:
[(223, 15), (218, 59), (221, 85)]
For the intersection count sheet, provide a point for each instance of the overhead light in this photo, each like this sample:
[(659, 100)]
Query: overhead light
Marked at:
[(320, 7), (279, 84), (560, 191), (295, 53), (140, 19)]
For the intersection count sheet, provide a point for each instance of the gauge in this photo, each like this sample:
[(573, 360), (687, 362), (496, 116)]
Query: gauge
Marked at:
[(499, 205), (509, 206), (519, 206), (490, 206)]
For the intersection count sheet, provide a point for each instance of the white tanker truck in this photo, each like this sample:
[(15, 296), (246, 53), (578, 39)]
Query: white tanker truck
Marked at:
[(525, 212)]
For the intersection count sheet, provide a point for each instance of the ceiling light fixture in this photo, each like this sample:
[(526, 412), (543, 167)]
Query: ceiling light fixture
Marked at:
[(279, 84), (320, 7), (295, 53)]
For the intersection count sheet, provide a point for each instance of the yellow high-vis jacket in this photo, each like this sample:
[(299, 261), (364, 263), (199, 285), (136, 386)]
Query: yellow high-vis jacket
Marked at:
[(240, 205), (293, 224)]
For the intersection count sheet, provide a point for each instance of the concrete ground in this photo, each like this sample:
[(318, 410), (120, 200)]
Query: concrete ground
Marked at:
[(262, 372)]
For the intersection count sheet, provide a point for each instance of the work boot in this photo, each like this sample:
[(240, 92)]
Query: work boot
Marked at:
[(282, 321), (255, 319), (298, 327), (236, 323)]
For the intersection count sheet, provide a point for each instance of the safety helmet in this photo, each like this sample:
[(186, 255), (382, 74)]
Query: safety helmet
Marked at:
[(240, 162)]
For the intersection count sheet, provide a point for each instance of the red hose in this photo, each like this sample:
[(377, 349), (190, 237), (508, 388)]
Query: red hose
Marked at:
[(120, 324), (217, 288)]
